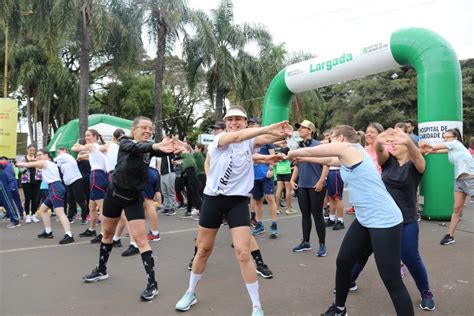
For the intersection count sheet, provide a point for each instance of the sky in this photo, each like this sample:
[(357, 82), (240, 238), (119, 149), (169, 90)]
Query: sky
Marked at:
[(326, 27)]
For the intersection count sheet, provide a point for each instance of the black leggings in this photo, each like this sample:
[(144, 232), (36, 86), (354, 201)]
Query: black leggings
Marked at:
[(311, 203), (75, 194), (386, 246), (32, 197), (192, 189)]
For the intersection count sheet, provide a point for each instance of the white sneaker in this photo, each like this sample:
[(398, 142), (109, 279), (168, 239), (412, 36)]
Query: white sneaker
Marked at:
[(34, 219), (194, 212), (28, 219)]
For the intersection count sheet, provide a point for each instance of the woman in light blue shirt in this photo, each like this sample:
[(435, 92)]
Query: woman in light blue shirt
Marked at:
[(463, 163)]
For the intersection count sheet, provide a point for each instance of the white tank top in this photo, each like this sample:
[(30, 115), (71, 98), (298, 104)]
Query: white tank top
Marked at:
[(97, 159), (231, 169), (111, 156), (50, 173)]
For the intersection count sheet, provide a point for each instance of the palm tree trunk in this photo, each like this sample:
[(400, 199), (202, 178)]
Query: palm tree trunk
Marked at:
[(35, 123), (84, 68), (46, 124), (220, 95), (28, 115), (159, 73)]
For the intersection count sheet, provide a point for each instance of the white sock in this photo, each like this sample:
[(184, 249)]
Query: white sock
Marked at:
[(115, 238), (193, 281), (340, 219), (69, 233), (252, 288), (48, 230), (134, 244), (332, 217), (155, 232), (92, 230)]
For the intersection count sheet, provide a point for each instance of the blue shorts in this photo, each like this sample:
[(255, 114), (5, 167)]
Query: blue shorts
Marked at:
[(150, 188), (263, 186), (56, 192), (99, 182), (335, 184)]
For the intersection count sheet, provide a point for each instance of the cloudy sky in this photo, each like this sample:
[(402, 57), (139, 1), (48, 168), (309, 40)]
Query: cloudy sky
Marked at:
[(324, 27)]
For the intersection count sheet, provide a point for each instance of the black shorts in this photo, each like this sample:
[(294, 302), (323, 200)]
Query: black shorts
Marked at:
[(213, 209), (116, 201), (284, 177)]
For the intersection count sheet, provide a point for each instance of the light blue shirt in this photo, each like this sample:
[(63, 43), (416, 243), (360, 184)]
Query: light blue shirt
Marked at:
[(460, 157), (375, 207)]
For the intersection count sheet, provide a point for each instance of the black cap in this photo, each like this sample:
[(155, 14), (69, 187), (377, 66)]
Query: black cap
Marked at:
[(255, 120), (218, 125)]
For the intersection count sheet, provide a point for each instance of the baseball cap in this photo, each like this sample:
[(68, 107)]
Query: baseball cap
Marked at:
[(218, 125), (306, 124)]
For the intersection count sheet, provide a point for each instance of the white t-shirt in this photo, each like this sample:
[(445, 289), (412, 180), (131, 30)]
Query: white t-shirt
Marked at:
[(111, 156), (153, 161), (97, 159), (50, 173), (69, 168), (231, 169)]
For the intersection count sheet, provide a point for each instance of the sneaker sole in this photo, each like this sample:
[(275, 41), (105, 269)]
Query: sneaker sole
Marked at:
[(46, 237), (154, 239), (187, 307), (448, 243), (264, 276), (304, 249), (322, 255), (65, 243), (427, 308), (97, 279), (258, 233), (273, 235), (149, 298)]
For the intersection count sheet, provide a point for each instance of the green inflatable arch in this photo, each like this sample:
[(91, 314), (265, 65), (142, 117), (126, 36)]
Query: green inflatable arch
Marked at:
[(439, 96)]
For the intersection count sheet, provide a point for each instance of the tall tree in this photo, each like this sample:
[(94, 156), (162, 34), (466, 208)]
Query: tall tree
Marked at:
[(214, 50), (165, 22)]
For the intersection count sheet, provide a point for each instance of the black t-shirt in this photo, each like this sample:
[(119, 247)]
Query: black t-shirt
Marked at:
[(401, 182)]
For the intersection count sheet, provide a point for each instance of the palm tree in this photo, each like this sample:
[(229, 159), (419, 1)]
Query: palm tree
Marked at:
[(214, 50), (166, 20)]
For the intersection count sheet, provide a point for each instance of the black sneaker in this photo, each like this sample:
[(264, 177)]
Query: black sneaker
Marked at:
[(447, 240), (190, 265), (338, 226), (326, 213), (132, 250), (116, 243), (66, 240), (45, 235), (150, 292), (171, 213), (427, 302), (88, 233), (164, 211), (84, 222), (186, 215), (97, 239), (334, 311), (95, 275), (264, 272), (330, 223)]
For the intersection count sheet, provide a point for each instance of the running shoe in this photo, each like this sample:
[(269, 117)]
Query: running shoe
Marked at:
[(153, 237), (28, 219), (71, 220), (45, 235), (447, 240), (326, 212), (88, 233), (352, 288), (150, 292), (290, 211), (258, 229), (187, 215), (185, 303), (132, 250), (427, 302), (330, 223), (264, 272), (164, 211), (116, 243), (194, 212), (190, 265), (322, 252), (84, 222), (34, 219), (273, 231), (95, 275), (66, 240), (253, 222), (97, 239), (338, 225), (257, 311), (303, 246), (334, 311), (13, 225), (171, 213)]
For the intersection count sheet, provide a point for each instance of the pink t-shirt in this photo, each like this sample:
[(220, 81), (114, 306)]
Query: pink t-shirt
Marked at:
[(373, 155), (471, 151)]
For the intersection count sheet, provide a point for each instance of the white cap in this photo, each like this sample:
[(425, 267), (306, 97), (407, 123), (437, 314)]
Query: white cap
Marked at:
[(235, 112)]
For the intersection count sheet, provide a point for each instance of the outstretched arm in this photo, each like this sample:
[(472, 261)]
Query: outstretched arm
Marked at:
[(40, 164)]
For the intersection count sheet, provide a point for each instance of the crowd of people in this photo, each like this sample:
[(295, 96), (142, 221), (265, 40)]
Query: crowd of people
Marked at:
[(227, 183)]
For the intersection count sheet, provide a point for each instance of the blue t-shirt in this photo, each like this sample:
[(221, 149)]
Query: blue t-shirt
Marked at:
[(309, 173), (260, 170), (375, 207), (460, 157)]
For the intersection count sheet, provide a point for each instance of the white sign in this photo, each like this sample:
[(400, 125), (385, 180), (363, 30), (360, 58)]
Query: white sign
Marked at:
[(432, 132), (205, 139), (350, 64)]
